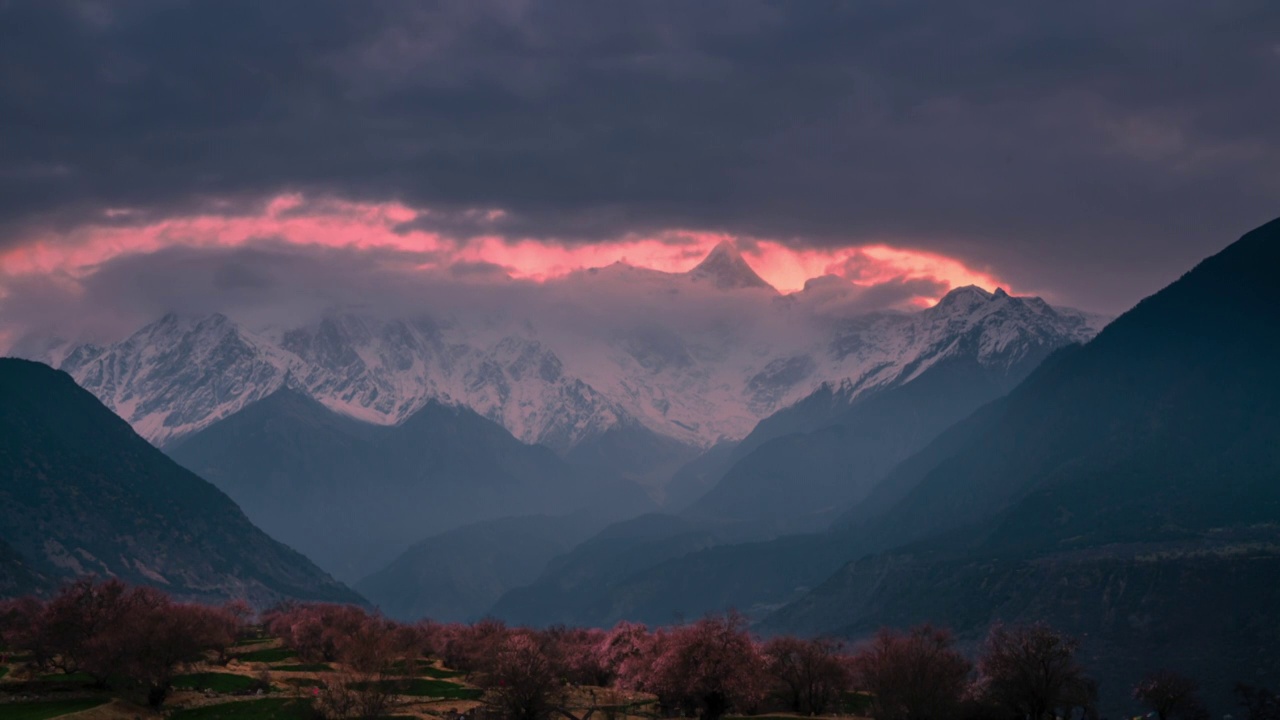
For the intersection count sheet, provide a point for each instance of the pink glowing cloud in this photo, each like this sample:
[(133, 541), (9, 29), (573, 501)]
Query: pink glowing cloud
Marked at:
[(334, 223)]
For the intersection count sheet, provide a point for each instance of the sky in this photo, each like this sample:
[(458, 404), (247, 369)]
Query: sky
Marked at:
[(157, 154)]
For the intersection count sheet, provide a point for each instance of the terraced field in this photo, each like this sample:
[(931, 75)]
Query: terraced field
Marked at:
[(261, 680)]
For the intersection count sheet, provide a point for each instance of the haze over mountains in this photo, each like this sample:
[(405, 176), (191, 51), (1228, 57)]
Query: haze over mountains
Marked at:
[(360, 435), (353, 495), (976, 463)]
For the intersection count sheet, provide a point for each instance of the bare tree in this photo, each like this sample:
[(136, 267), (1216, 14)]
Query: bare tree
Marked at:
[(812, 672), (1171, 695), (917, 675), (1031, 670)]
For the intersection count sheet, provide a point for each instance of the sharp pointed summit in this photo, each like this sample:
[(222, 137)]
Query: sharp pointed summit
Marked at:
[(725, 267)]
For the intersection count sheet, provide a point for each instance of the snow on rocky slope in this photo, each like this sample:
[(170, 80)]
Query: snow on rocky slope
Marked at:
[(697, 356)]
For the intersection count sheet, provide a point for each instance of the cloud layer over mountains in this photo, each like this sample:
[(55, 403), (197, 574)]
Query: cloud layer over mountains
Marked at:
[(1020, 140), (270, 283)]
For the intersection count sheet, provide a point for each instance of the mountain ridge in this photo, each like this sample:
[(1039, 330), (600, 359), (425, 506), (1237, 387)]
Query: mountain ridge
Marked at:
[(353, 494), (558, 377), (85, 494), (1126, 493)]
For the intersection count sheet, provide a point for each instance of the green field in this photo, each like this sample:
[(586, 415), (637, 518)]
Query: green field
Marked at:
[(269, 655), (423, 687), (422, 668), (267, 709), (438, 673), (217, 682), (305, 667), (77, 677), (4, 670), (252, 641), (47, 709), (304, 682)]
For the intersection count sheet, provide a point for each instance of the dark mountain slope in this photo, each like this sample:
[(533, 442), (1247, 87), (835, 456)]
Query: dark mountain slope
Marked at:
[(353, 495), (15, 577), (574, 584), (632, 452), (1129, 492), (697, 476), (457, 575), (80, 492), (801, 481), (1165, 423), (793, 483)]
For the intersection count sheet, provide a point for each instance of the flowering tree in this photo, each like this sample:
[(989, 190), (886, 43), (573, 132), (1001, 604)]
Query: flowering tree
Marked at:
[(1171, 695), (574, 653), (70, 629), (371, 647), (812, 673), (127, 638), (155, 637), (917, 675), (709, 667), (416, 640), (367, 645), (627, 652), (317, 632), (470, 648), (523, 681), (1030, 671)]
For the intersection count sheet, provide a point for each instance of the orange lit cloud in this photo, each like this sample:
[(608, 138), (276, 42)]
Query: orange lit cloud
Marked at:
[(342, 224)]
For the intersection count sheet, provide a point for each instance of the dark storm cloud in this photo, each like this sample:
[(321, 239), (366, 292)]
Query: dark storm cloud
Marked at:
[(1090, 149)]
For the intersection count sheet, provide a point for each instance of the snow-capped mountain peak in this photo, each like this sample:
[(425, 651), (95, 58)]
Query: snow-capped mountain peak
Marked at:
[(556, 381), (725, 268)]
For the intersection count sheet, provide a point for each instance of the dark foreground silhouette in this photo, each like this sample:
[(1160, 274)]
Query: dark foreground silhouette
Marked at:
[(95, 642)]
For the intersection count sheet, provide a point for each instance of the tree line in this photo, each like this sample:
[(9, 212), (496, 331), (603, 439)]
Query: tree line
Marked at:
[(135, 639)]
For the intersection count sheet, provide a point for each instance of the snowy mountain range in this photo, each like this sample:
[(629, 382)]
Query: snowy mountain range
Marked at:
[(699, 356)]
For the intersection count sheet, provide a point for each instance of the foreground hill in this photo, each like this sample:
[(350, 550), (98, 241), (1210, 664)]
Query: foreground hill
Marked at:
[(1130, 490), (80, 492), (353, 495)]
